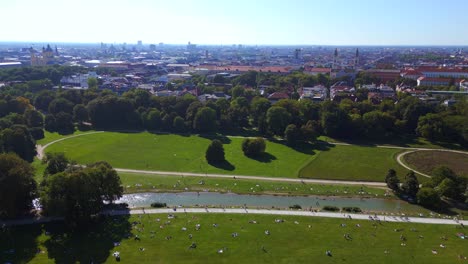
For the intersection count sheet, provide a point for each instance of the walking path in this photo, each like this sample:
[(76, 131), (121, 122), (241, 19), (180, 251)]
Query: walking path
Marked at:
[(261, 178), (41, 151), (369, 217)]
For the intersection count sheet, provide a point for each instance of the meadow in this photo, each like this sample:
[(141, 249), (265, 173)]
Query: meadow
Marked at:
[(426, 161), (225, 238), (134, 183), (162, 152), (353, 163)]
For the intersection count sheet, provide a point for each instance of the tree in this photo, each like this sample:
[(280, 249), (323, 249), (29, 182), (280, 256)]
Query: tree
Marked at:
[(253, 147), (80, 194), (237, 91), (259, 107), (50, 124), (178, 124), (92, 83), (153, 120), (277, 119), (19, 140), (449, 188), (292, 134), (205, 120), (334, 120), (56, 162), (64, 123), (411, 184), (428, 197), (392, 180), (219, 79), (215, 152), (447, 183), (34, 118), (80, 113), (309, 130), (60, 105), (431, 126), (17, 185)]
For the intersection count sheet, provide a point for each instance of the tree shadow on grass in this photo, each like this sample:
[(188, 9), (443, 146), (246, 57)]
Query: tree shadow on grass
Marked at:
[(224, 139), (18, 244), (225, 165), (91, 244), (306, 147), (264, 157)]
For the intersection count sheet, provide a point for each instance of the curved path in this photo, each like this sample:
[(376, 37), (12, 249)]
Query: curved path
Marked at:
[(402, 219), (401, 155), (41, 149)]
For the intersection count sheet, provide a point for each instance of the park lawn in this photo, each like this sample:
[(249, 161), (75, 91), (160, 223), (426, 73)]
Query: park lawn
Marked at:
[(296, 240), (134, 183), (426, 161), (353, 163), (147, 151)]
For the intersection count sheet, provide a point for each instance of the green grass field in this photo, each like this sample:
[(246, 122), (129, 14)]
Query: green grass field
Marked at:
[(296, 240), (426, 161), (147, 151), (156, 183), (353, 163)]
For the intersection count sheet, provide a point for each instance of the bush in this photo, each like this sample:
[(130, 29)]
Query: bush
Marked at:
[(331, 208), (253, 147), (295, 206), (352, 209), (158, 205)]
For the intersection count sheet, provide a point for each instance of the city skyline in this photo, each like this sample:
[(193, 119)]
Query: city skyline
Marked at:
[(334, 23)]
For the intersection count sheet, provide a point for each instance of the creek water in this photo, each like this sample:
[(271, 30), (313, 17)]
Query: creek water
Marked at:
[(264, 201)]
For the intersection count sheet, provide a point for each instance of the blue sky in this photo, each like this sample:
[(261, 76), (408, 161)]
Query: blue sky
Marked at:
[(257, 22)]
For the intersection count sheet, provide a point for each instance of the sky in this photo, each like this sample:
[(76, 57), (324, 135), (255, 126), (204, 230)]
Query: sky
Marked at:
[(226, 22)]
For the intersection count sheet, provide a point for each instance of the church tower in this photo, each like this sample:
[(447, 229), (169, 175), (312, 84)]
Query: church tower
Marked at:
[(356, 58), (335, 59)]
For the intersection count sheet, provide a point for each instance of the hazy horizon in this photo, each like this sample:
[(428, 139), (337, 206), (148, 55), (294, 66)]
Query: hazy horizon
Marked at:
[(261, 22)]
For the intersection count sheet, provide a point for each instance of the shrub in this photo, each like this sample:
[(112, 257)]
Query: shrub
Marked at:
[(331, 208), (158, 205), (352, 209), (295, 206), (253, 147)]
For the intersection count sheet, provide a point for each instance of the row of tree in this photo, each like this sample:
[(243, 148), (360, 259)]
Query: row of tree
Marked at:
[(71, 191), (443, 185)]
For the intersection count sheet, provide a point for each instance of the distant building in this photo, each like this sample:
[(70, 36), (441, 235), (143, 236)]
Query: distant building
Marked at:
[(317, 93), (79, 81), (12, 64), (341, 90), (276, 96), (431, 81), (46, 57), (384, 75), (463, 85), (317, 71)]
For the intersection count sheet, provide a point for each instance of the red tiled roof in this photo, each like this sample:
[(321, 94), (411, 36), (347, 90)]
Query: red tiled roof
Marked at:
[(434, 69), (278, 95), (412, 72), (245, 68), (319, 70)]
